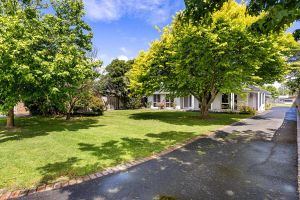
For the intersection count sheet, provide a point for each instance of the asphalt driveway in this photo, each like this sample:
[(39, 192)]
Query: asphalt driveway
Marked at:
[(254, 159)]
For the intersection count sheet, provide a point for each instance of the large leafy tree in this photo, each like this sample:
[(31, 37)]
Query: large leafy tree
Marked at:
[(20, 69), (218, 55), (43, 55)]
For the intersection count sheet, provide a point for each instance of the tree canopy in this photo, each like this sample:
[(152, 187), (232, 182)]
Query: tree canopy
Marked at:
[(277, 14), (221, 55)]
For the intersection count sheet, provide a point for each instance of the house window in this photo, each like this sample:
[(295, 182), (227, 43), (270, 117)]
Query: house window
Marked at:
[(225, 101), (156, 100), (235, 102), (169, 102), (187, 101)]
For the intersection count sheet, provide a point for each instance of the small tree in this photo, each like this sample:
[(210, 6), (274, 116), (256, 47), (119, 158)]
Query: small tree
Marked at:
[(220, 55), (115, 82)]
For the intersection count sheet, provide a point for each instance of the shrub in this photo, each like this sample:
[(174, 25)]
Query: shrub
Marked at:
[(247, 110), (161, 105), (91, 105), (268, 106), (149, 104), (134, 102), (174, 105), (43, 107)]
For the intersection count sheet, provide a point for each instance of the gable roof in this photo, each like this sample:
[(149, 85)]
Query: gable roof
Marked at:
[(252, 88)]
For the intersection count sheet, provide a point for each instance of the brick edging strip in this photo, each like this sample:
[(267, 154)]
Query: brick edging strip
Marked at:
[(119, 168)]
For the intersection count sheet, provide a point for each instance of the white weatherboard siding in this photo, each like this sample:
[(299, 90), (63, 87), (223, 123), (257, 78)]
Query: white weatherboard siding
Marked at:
[(177, 103), (217, 103), (255, 98), (252, 100)]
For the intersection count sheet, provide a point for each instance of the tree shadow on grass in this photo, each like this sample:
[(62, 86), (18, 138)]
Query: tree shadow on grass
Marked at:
[(64, 170), (111, 153), (188, 118), (34, 127), (171, 136), (119, 151), (116, 152)]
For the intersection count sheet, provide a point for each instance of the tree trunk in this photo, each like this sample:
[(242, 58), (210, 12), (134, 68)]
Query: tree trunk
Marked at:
[(70, 109), (204, 111), (205, 102), (68, 117), (10, 123)]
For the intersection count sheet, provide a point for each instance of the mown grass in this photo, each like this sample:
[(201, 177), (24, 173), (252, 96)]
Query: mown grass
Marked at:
[(43, 150), (282, 105)]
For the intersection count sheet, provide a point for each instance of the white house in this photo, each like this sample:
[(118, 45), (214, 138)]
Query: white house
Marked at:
[(254, 97)]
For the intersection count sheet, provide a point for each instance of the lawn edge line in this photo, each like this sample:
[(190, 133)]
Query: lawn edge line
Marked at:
[(115, 169)]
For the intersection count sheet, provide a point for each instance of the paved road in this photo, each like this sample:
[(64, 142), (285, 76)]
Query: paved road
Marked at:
[(255, 159)]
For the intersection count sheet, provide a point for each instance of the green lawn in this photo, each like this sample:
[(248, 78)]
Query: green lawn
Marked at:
[(43, 150), (282, 105)]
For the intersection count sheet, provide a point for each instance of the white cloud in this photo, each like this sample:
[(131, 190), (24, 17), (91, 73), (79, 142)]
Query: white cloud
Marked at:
[(123, 57), (155, 12), (125, 50), (102, 9)]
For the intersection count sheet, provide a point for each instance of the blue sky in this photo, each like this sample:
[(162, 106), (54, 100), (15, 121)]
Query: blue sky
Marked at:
[(124, 27)]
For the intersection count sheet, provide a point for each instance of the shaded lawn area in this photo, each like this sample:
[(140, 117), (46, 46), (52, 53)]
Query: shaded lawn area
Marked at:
[(44, 150)]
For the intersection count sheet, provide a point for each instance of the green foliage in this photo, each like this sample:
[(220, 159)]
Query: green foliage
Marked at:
[(296, 34), (200, 10), (72, 68), (293, 79), (116, 83), (268, 106), (284, 90), (279, 14), (43, 56), (20, 39), (134, 102), (220, 56), (42, 107), (89, 103), (272, 89), (247, 110)]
